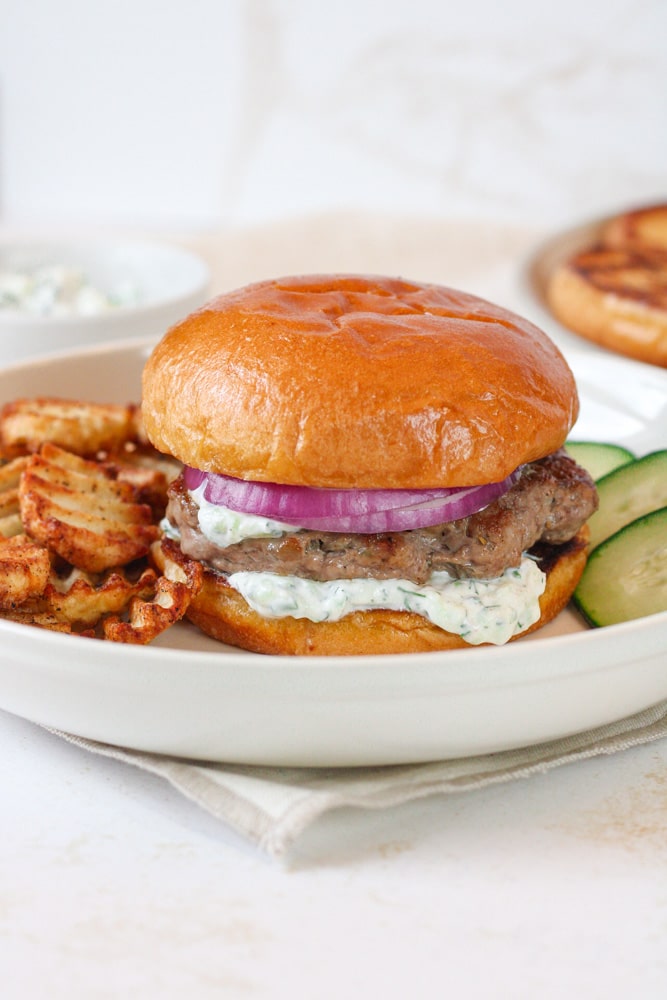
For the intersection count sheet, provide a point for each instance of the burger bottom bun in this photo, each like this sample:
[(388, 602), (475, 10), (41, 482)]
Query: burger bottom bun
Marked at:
[(615, 298), (641, 228), (221, 612)]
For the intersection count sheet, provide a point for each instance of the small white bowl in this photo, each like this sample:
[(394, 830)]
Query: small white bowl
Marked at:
[(167, 283)]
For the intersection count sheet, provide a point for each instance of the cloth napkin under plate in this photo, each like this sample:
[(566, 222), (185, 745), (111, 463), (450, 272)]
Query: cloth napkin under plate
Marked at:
[(272, 806)]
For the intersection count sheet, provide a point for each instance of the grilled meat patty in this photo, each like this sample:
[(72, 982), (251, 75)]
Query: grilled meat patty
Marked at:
[(549, 503)]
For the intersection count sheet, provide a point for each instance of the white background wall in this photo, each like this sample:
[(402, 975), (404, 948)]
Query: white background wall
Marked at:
[(237, 112)]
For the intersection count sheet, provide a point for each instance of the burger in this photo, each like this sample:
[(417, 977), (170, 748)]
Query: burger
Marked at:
[(370, 465)]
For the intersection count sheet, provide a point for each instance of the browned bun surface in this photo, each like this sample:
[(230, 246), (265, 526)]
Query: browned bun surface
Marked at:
[(642, 229), (221, 612), (616, 298), (351, 381)]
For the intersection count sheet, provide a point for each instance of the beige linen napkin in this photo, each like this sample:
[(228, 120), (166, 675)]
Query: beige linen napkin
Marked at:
[(271, 807)]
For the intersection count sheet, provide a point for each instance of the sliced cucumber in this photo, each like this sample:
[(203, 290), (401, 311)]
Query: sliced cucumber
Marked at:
[(598, 459), (626, 576), (627, 493)]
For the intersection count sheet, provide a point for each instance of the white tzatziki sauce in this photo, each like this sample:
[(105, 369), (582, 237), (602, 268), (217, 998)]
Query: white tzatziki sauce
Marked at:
[(55, 290), (225, 527), (480, 611)]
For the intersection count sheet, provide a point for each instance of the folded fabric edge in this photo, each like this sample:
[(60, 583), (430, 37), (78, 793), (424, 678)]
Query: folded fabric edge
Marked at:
[(233, 794), (282, 835)]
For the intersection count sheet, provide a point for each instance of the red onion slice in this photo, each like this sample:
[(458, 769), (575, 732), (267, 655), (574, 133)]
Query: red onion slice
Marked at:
[(194, 477), (357, 511)]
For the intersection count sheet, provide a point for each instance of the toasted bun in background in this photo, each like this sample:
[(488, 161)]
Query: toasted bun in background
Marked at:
[(221, 612), (616, 297), (642, 229), (351, 381)]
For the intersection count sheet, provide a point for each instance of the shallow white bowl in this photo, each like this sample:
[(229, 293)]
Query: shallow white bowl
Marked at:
[(170, 282), (190, 696)]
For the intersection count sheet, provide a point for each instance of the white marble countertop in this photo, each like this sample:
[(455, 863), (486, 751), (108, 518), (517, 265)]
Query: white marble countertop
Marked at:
[(114, 885)]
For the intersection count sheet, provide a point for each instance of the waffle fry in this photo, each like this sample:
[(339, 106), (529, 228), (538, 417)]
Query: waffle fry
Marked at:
[(10, 517), (24, 571), (82, 601), (136, 457), (167, 557), (83, 428), (180, 581), (38, 619), (90, 520), (81, 497), (149, 474), (149, 618), (80, 604)]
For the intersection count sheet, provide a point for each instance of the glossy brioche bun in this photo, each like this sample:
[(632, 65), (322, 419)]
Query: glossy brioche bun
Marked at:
[(642, 229), (351, 381), (616, 297), (221, 612)]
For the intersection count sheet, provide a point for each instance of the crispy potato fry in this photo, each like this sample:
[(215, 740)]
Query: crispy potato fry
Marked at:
[(39, 619), (180, 582), (148, 473), (10, 517), (142, 456), (167, 557), (24, 571), (71, 505), (84, 428), (150, 486), (149, 618), (81, 496), (82, 601)]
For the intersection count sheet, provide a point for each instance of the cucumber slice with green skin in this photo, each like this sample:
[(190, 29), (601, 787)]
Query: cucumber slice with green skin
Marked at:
[(598, 459), (628, 493), (626, 576)]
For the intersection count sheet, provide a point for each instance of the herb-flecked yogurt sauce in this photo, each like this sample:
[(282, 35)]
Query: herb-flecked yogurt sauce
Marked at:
[(57, 290), (478, 610)]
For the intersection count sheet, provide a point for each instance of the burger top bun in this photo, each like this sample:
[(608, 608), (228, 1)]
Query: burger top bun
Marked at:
[(350, 381)]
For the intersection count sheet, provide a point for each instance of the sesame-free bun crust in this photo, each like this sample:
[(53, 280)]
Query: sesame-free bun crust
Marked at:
[(221, 612), (348, 381), (615, 297), (641, 228)]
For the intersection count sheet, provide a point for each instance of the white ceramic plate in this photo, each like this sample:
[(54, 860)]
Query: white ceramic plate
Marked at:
[(189, 696)]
